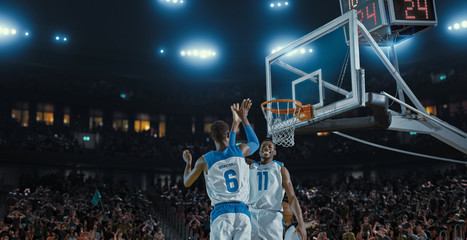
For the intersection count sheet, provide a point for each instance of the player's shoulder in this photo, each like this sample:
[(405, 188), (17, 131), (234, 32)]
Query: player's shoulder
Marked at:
[(280, 164), (213, 157)]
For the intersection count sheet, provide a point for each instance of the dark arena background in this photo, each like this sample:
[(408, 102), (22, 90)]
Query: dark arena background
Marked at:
[(98, 99)]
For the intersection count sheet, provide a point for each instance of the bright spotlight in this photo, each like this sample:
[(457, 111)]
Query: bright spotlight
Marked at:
[(279, 4), (65, 39), (272, 5), (450, 28), (181, 1), (302, 51), (188, 53), (57, 38), (457, 26), (464, 24), (6, 31), (26, 33), (195, 52), (286, 3), (310, 50), (214, 53), (13, 31), (183, 53), (175, 1)]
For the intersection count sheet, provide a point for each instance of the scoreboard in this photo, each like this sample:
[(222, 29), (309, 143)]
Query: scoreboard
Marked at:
[(382, 17)]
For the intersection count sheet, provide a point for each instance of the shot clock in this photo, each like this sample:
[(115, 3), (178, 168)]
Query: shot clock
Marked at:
[(412, 12), (399, 18), (370, 12)]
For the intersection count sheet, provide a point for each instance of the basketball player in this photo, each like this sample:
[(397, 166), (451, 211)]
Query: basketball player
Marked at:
[(268, 181), (227, 178), (290, 230)]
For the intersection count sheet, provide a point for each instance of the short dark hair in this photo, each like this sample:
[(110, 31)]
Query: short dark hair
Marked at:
[(268, 140), (219, 130)]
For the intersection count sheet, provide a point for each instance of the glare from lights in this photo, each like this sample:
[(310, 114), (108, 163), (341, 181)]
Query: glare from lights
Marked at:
[(57, 38), (294, 52), (26, 33), (200, 53), (65, 39), (279, 4), (450, 28), (6, 31), (13, 31), (162, 51), (464, 24), (457, 26), (172, 2)]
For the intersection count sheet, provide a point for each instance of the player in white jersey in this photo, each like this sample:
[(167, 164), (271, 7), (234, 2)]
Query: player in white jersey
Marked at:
[(227, 178), (269, 179)]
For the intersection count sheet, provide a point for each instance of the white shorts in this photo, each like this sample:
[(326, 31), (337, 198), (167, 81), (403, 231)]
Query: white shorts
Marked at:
[(289, 234), (230, 221), (266, 225)]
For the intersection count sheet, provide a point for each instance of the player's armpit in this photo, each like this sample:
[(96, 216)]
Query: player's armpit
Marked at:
[(190, 175)]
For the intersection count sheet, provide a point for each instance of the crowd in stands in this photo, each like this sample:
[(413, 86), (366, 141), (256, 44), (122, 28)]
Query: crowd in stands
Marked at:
[(414, 206), (54, 209)]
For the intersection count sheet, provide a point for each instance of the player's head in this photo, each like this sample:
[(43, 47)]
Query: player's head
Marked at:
[(219, 131), (267, 151)]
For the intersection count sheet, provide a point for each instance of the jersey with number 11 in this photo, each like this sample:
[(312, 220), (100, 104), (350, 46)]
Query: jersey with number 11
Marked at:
[(228, 177), (266, 191)]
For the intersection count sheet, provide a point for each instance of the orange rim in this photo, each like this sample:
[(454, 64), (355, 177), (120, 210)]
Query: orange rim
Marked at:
[(281, 111)]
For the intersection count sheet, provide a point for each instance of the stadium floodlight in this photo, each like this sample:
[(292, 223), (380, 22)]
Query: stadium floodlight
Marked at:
[(198, 53), (13, 31), (450, 28), (26, 33), (6, 31), (457, 26), (279, 4), (272, 5), (464, 24), (57, 38), (286, 3), (65, 39)]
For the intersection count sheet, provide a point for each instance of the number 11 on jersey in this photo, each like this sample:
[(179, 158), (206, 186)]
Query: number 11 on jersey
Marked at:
[(260, 180)]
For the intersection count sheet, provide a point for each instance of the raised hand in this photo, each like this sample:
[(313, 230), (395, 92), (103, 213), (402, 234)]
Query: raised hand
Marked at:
[(243, 110), (187, 156), (235, 108)]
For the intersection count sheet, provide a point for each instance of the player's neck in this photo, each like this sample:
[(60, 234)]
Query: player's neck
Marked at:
[(265, 161), (221, 146)]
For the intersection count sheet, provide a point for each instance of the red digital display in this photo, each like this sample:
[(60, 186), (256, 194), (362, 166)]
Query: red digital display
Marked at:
[(368, 11), (414, 10)]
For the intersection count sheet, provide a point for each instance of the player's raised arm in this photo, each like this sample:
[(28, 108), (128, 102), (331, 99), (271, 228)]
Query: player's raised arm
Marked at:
[(253, 143), (235, 123), (190, 175), (293, 201)]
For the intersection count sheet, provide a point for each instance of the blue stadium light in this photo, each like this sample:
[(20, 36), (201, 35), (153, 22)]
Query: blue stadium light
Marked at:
[(57, 38), (198, 53), (65, 39), (279, 4), (172, 2), (26, 34), (162, 51), (302, 51)]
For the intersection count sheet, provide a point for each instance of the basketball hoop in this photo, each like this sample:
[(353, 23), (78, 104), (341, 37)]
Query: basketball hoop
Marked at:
[(281, 116)]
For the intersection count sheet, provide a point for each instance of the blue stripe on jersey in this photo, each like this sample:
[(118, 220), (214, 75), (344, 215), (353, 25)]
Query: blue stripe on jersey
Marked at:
[(213, 156), (280, 163), (229, 207)]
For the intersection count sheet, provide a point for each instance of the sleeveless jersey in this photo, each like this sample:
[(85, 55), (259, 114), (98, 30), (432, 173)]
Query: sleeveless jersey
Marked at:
[(266, 191), (228, 177)]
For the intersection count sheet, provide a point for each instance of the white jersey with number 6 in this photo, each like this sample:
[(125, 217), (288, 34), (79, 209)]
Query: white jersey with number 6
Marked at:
[(228, 176), (266, 191)]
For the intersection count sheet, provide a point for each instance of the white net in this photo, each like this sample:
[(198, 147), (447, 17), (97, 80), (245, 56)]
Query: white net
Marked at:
[(281, 118)]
